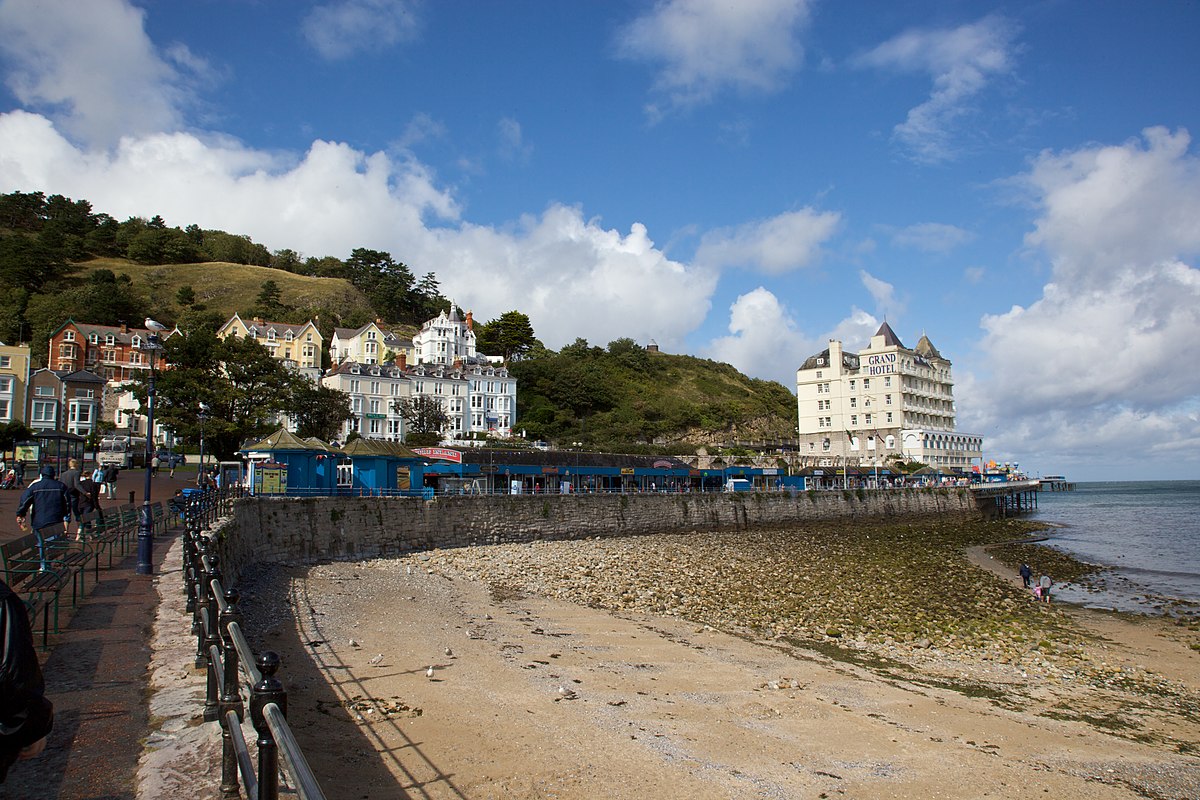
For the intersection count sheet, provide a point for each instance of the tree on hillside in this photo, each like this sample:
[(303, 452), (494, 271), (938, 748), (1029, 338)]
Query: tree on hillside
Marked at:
[(186, 296), (269, 304), (510, 336)]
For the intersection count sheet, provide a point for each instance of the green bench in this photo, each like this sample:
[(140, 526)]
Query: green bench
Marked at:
[(39, 582)]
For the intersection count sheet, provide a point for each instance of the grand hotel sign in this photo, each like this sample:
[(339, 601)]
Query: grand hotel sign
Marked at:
[(881, 364)]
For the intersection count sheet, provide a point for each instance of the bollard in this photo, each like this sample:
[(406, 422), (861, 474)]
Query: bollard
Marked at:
[(231, 696), (131, 497), (267, 690)]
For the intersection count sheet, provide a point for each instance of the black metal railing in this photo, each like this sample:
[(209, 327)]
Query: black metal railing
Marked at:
[(232, 668)]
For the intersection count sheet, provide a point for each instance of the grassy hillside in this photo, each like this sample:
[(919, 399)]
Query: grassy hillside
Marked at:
[(227, 288), (624, 396)]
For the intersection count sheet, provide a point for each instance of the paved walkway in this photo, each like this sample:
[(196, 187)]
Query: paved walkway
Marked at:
[(97, 672)]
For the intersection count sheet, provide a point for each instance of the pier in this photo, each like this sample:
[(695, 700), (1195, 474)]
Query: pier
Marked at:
[(1055, 483), (1007, 498)]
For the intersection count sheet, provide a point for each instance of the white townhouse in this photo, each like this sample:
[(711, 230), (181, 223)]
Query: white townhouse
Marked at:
[(885, 401), (373, 390)]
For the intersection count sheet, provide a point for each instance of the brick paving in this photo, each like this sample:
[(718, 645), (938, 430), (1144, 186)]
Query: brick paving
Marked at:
[(97, 670)]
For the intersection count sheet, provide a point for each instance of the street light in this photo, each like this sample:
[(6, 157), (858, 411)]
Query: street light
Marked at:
[(201, 480), (145, 534)]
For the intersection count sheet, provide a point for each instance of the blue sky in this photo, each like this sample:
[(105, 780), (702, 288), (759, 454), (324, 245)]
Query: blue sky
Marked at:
[(740, 181)]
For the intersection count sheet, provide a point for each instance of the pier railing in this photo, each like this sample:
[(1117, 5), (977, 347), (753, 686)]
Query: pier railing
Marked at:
[(236, 677)]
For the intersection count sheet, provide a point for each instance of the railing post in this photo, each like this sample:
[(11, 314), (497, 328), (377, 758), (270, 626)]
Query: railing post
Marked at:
[(231, 696), (202, 591), (267, 690), (212, 638)]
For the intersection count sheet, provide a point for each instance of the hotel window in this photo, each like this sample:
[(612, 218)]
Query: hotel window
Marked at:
[(867, 419), (887, 381), (889, 416), (852, 384), (854, 419), (866, 384), (374, 387), (854, 402), (374, 406), (354, 386), (887, 399)]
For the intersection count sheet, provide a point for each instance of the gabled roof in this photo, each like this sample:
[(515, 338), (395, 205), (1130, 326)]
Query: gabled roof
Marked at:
[(378, 447), (283, 439), (889, 336)]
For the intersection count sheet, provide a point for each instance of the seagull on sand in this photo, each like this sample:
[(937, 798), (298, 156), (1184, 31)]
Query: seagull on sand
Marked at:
[(429, 672), (376, 659)]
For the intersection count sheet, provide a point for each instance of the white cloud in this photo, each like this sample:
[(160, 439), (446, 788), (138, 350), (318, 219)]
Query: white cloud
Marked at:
[(1099, 361), (706, 46), (883, 293), (931, 237), (764, 339), (513, 146), (961, 61), (343, 28), (570, 275), (1107, 208), (91, 67), (789, 241)]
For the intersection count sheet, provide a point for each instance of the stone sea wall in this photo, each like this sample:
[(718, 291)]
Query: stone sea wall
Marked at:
[(305, 530)]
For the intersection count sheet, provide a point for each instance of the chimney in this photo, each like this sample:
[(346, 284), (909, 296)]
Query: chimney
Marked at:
[(458, 364), (470, 320), (124, 328), (259, 321), (402, 361)]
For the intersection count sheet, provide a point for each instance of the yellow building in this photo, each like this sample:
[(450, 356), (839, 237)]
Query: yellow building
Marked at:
[(14, 382), (297, 346)]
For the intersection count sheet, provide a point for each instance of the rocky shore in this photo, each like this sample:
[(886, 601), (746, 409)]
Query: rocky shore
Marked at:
[(898, 606)]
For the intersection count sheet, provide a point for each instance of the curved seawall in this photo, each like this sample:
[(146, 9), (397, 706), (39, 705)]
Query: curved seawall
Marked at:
[(300, 530)]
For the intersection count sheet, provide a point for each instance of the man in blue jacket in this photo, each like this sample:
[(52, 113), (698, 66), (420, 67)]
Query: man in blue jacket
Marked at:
[(47, 498)]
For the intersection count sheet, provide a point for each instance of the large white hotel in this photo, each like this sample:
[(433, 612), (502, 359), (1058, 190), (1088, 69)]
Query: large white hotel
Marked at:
[(884, 402)]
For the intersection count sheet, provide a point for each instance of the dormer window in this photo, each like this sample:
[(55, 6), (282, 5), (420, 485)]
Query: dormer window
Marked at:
[(253, 332), (290, 336), (94, 338), (271, 335), (136, 341), (355, 370)]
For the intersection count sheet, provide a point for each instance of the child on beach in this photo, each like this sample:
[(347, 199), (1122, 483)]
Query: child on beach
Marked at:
[(1044, 583)]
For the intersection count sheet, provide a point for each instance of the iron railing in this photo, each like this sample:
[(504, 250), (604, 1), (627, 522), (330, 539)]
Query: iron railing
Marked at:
[(233, 669)]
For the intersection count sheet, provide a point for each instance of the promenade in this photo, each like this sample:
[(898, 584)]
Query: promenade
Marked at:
[(96, 670)]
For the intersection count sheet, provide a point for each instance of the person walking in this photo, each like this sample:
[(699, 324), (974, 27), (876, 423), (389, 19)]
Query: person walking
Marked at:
[(19, 473), (26, 716), (110, 479), (47, 499), (89, 507), (1026, 575), (1044, 583), (154, 466), (72, 478)]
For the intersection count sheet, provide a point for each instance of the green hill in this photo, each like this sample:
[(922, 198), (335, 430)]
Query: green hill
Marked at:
[(225, 288)]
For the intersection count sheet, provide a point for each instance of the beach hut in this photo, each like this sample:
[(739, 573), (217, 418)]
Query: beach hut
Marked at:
[(382, 467), (283, 463)]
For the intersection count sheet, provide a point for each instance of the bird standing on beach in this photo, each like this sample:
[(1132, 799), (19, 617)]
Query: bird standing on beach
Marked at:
[(375, 659), (429, 672)]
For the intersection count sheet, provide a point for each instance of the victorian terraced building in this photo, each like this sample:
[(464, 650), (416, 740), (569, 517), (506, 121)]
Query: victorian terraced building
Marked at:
[(882, 403)]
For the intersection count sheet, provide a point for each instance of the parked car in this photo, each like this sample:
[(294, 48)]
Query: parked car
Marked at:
[(170, 459)]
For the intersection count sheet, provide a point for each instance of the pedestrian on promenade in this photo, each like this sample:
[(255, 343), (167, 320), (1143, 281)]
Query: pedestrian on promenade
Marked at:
[(89, 507), (19, 472), (1026, 575), (47, 498), (110, 479), (154, 467), (72, 478), (26, 716), (1044, 583)]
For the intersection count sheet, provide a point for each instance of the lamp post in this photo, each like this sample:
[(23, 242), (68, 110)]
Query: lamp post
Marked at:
[(201, 476), (145, 534)]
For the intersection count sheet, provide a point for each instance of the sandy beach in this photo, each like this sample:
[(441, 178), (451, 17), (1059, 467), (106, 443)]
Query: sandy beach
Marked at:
[(894, 661)]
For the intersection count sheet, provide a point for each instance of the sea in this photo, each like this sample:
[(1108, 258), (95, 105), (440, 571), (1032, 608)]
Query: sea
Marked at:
[(1148, 532)]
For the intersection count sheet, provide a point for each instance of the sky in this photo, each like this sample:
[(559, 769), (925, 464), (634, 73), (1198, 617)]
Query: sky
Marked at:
[(741, 181)]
